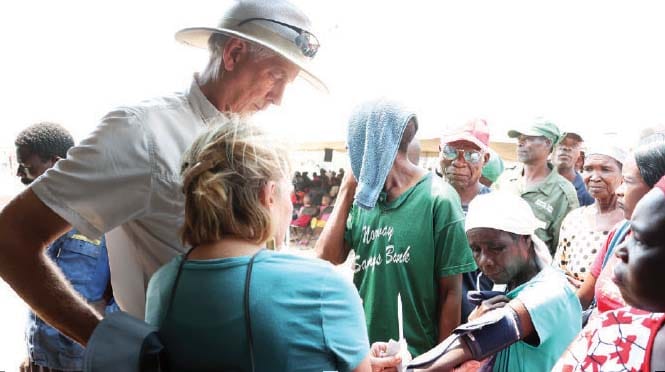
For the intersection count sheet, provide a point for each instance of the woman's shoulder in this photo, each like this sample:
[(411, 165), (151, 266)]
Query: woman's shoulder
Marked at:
[(167, 272), (578, 213), (308, 274), (300, 264), (549, 283)]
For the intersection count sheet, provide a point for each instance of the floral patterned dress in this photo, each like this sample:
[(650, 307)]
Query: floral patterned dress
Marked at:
[(619, 340)]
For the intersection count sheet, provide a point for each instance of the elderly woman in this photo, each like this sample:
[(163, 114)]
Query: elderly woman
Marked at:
[(631, 338), (525, 329), (641, 170), (584, 229), (228, 304)]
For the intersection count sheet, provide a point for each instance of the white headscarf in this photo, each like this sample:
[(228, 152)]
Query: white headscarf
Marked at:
[(607, 147), (504, 211)]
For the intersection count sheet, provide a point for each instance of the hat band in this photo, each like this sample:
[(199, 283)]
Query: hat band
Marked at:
[(306, 42)]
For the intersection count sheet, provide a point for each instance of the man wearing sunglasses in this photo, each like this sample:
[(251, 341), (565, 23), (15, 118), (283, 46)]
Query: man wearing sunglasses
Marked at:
[(464, 152), (549, 194), (123, 180)]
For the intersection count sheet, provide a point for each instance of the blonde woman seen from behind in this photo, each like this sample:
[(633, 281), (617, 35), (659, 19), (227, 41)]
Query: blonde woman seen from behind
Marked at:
[(236, 306)]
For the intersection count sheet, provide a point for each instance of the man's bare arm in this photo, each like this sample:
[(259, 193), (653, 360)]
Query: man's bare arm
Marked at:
[(450, 299), (27, 226), (331, 245), (459, 352)]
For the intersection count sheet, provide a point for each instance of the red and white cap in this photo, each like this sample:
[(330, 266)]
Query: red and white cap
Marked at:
[(474, 131)]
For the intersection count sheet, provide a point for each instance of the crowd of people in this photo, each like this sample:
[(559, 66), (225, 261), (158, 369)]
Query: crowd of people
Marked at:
[(313, 199), (163, 233)]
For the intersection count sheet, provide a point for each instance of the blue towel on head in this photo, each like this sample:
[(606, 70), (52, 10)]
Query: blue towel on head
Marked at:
[(374, 133)]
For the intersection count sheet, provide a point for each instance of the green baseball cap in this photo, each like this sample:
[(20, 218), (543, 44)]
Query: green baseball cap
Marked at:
[(494, 167), (540, 127)]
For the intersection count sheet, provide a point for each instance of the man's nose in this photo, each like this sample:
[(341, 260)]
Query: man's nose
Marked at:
[(484, 262), (277, 94)]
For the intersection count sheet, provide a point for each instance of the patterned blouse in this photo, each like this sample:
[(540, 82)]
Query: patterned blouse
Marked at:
[(619, 340), (579, 242)]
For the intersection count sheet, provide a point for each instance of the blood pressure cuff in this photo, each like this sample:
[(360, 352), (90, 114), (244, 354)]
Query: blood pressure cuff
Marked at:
[(485, 336), (490, 333)]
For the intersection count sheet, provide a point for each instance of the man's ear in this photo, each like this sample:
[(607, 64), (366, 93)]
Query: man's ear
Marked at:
[(579, 163), (234, 52), (486, 157), (53, 159)]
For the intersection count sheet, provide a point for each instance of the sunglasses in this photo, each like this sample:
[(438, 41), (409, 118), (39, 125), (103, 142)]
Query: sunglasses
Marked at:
[(305, 41), (451, 153)]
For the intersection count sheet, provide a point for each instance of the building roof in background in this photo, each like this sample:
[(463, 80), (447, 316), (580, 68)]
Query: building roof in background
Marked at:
[(428, 147)]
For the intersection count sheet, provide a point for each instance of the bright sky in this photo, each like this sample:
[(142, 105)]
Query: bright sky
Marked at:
[(592, 66)]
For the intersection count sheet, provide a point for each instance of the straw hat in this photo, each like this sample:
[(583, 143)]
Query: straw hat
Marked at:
[(275, 24)]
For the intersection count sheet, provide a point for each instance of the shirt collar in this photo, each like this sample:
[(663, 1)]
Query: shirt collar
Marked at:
[(549, 183), (202, 106), (545, 186), (383, 196)]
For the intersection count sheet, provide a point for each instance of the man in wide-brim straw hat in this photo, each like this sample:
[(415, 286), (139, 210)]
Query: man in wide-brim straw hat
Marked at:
[(123, 180)]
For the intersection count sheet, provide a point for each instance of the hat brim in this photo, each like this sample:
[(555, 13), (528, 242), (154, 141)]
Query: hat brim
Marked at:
[(199, 36), (515, 133), (465, 137)]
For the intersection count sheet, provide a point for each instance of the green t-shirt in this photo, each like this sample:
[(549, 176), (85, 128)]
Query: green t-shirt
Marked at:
[(557, 319), (550, 200), (405, 246)]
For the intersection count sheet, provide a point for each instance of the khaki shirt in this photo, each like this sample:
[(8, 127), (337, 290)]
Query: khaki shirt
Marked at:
[(124, 181), (550, 200)]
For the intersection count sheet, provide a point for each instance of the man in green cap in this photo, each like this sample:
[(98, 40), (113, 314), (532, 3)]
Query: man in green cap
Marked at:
[(549, 194)]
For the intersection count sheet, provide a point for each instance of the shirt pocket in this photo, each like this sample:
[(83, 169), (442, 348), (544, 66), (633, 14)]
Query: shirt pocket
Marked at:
[(78, 261)]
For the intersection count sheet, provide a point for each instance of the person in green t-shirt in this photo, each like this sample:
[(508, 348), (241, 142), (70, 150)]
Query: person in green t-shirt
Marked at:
[(411, 243)]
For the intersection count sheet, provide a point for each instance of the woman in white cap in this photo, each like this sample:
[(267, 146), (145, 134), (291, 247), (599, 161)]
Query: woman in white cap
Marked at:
[(528, 327), (585, 229), (228, 304), (641, 170)]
